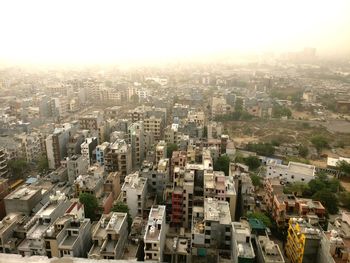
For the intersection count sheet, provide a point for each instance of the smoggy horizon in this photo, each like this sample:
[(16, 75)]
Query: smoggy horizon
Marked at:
[(88, 32)]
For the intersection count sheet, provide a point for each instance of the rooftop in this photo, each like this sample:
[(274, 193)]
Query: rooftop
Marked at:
[(162, 165), (333, 161), (23, 193), (154, 224), (241, 231), (134, 181), (301, 226), (109, 222), (88, 181), (215, 210), (302, 168), (270, 251)]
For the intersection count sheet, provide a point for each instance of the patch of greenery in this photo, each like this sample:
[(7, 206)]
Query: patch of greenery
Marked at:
[(222, 164), (90, 205), (320, 142), (123, 208), (265, 149)]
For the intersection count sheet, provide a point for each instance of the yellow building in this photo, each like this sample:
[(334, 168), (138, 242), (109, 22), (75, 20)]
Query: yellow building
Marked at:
[(302, 241)]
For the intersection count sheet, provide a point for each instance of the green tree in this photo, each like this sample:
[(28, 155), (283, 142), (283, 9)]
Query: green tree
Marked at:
[(262, 217), (43, 164), (344, 167), (344, 199), (319, 142), (17, 166), (134, 99), (303, 151), (253, 162), (265, 149), (256, 180), (297, 188), (328, 199), (123, 208), (239, 105), (279, 111), (90, 205), (222, 164), (205, 132), (170, 148)]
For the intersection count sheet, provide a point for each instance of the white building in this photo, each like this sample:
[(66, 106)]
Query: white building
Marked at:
[(268, 251), (87, 148), (242, 247), (155, 234), (134, 192), (293, 172)]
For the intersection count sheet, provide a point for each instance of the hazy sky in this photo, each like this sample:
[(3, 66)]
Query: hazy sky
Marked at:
[(97, 31)]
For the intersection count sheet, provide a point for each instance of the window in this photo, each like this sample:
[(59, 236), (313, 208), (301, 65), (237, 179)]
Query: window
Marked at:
[(303, 179), (292, 176)]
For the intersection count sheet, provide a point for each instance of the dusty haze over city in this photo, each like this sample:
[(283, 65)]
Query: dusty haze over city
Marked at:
[(80, 32)]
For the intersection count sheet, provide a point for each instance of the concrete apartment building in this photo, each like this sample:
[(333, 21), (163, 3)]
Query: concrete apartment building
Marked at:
[(335, 242), (75, 141), (109, 236), (154, 239), (87, 148), (4, 191), (112, 184), (242, 247), (136, 139), (134, 191), (23, 200), (178, 159), (244, 189), (157, 175), (31, 146), (154, 126), (101, 151), (221, 187), (293, 172), (118, 158), (76, 165), (91, 121), (172, 134), (214, 130), (211, 231), (268, 251), (68, 236), (93, 183), (161, 151), (3, 163), (285, 207), (303, 241), (180, 111), (198, 117), (56, 145), (34, 243), (9, 242), (219, 106)]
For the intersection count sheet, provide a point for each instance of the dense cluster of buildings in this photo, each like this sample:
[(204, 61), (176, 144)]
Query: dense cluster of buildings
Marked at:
[(151, 144)]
